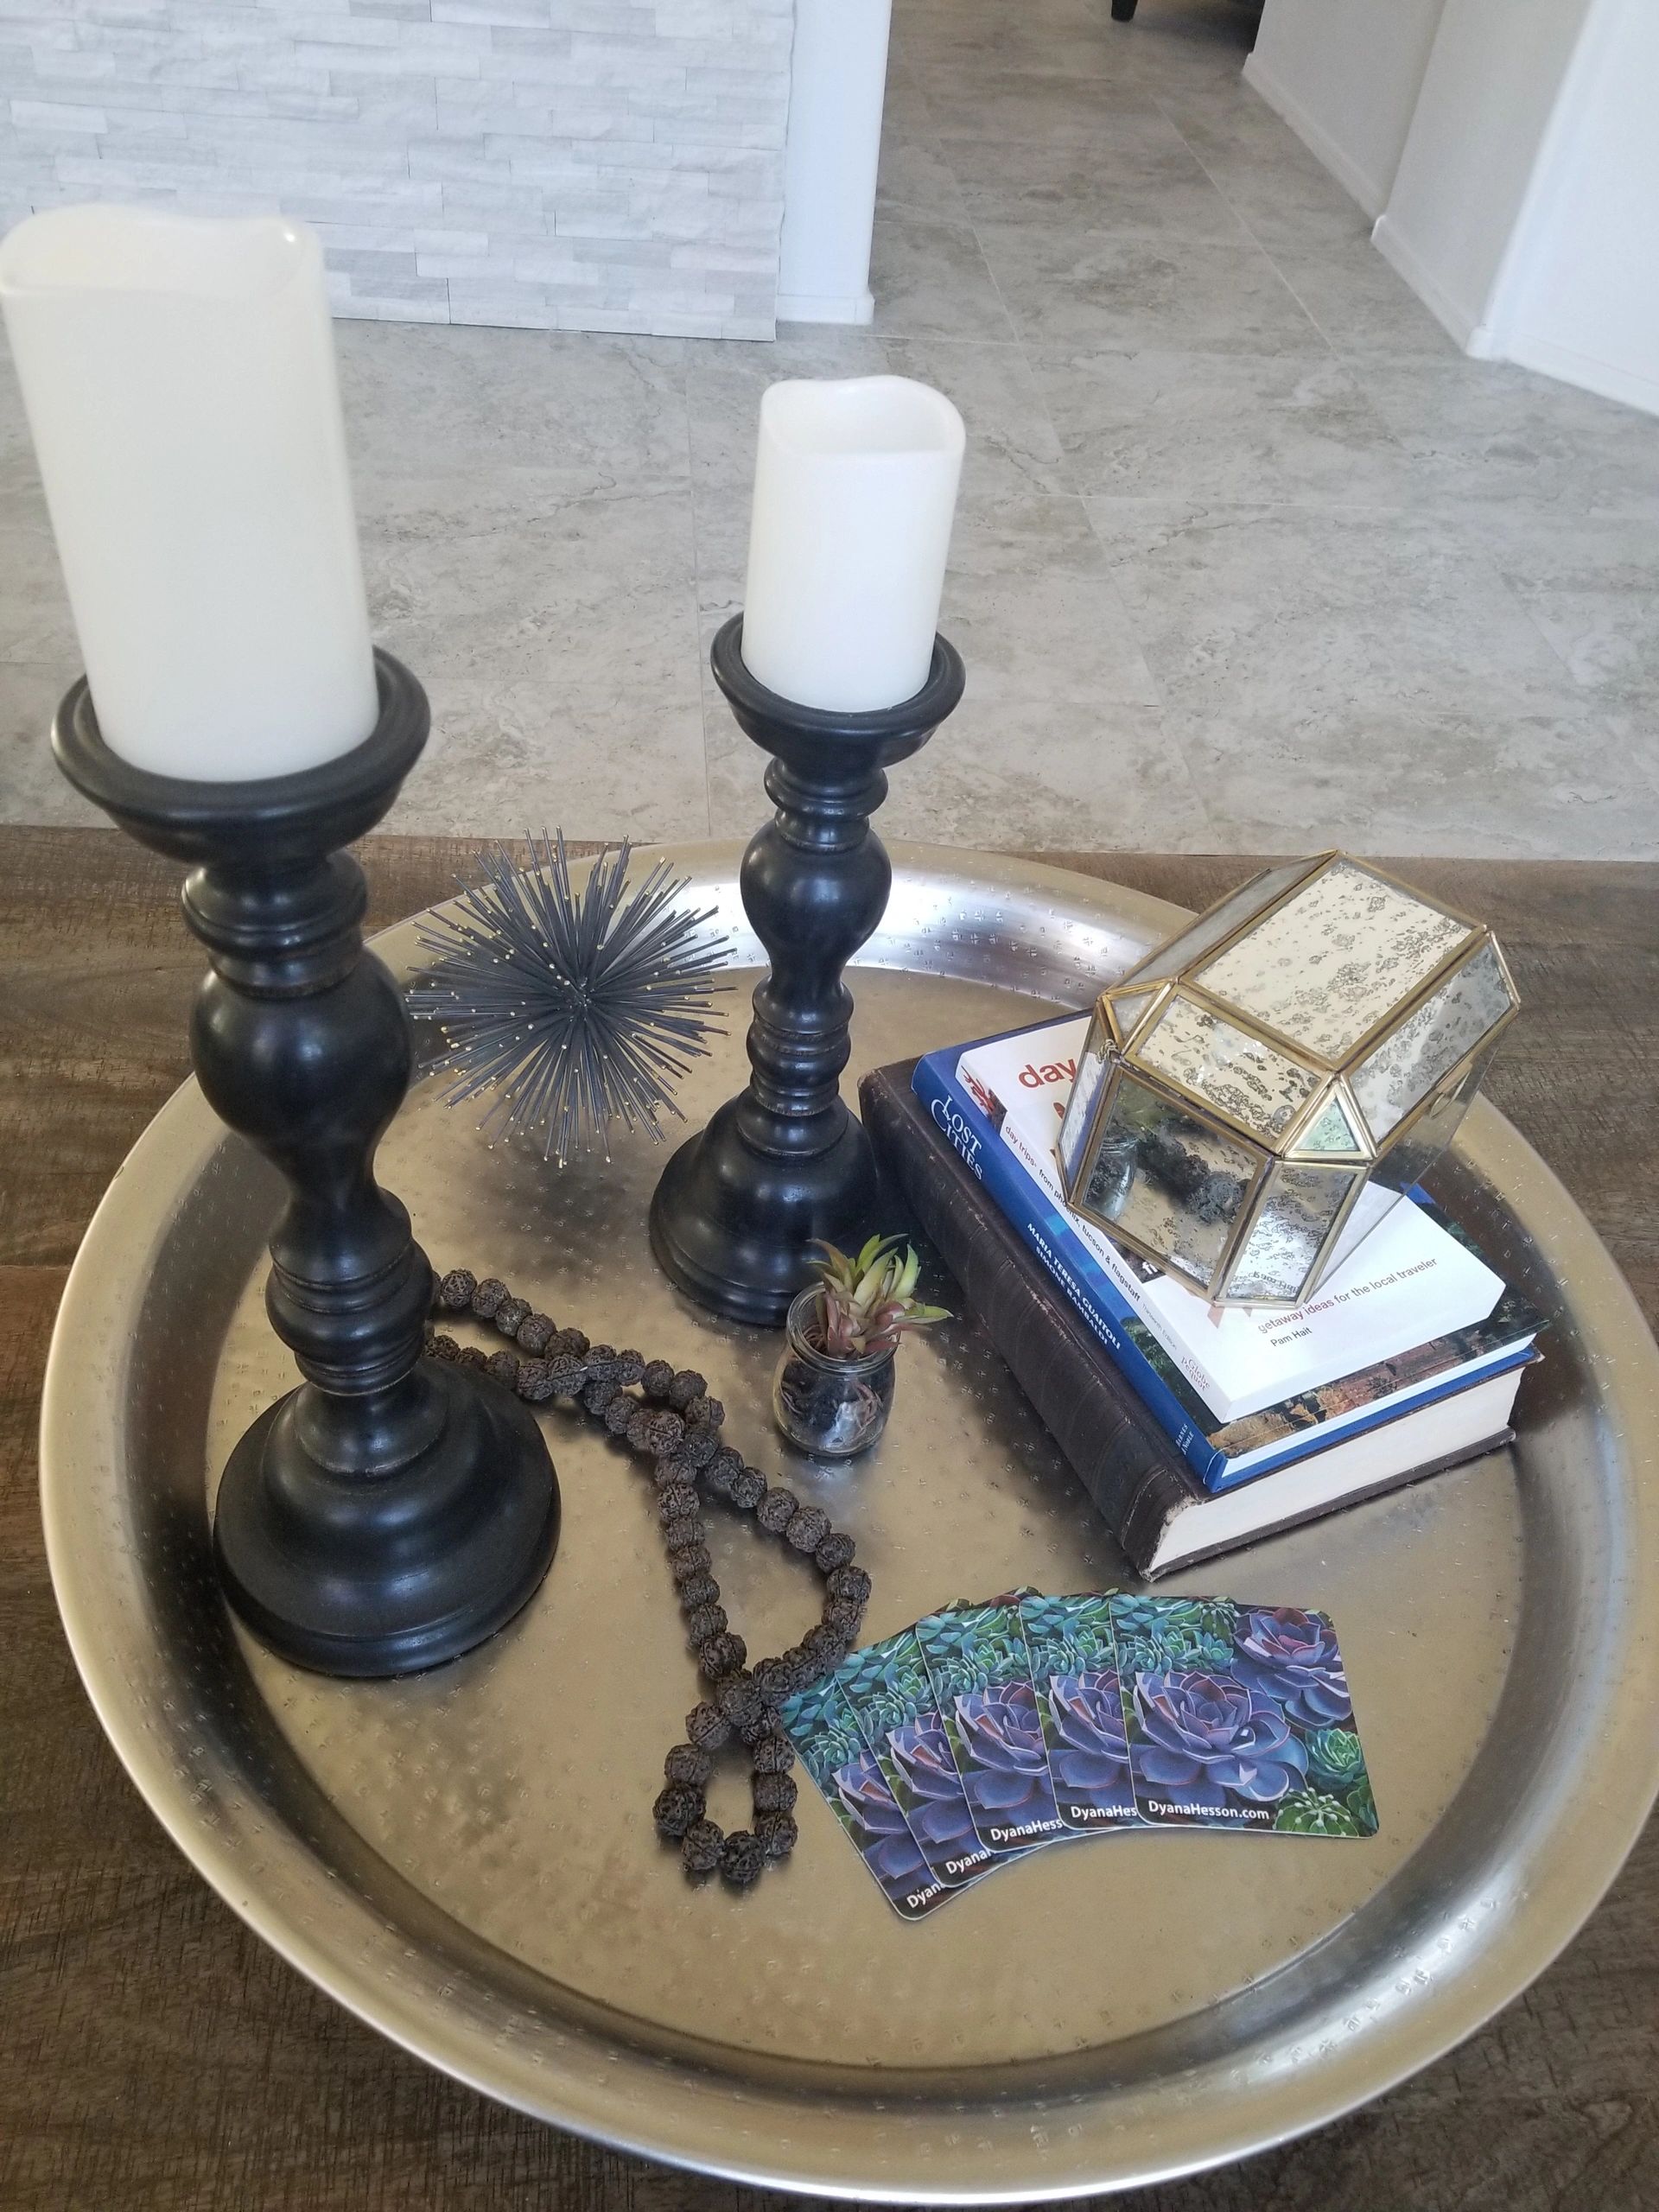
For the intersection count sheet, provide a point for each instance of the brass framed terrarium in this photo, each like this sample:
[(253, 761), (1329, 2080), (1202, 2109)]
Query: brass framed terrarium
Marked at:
[(1254, 1097)]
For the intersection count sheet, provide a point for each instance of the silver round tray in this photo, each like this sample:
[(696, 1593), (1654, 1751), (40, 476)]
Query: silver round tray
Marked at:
[(466, 1860)]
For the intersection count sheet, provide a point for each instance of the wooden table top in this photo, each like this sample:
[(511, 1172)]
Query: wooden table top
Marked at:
[(156, 2057)]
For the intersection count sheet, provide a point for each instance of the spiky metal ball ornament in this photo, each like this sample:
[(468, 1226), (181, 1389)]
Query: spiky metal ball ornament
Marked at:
[(577, 1008)]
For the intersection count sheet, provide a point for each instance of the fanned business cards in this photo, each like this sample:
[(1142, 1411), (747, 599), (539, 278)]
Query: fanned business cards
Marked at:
[(986, 1731)]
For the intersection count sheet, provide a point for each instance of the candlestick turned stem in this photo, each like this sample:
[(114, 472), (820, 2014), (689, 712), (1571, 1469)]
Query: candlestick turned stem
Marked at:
[(785, 1163), (389, 1513)]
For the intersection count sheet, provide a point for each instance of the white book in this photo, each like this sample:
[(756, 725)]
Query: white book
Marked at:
[(1404, 1284), (1442, 1434), (1037, 1063)]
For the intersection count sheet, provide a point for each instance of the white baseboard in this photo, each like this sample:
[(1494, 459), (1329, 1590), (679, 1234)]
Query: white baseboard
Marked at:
[(826, 307), (1606, 378), (1372, 196), (1471, 332), (1497, 341)]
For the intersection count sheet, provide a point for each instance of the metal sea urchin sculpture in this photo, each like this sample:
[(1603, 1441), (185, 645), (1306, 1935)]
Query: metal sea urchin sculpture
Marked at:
[(578, 1009)]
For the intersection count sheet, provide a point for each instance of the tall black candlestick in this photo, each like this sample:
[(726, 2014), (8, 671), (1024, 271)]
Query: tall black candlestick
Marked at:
[(785, 1163), (389, 1513)]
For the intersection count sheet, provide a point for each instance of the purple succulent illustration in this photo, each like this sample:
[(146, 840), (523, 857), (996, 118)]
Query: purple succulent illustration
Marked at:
[(1090, 1753), (878, 1827), (939, 1815), (1007, 1780), (1293, 1658), (1210, 1742)]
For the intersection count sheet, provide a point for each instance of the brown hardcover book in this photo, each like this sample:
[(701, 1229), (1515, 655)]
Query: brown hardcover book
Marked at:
[(1155, 1507)]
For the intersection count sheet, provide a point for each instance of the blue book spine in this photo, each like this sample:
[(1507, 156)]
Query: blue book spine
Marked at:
[(1067, 1259)]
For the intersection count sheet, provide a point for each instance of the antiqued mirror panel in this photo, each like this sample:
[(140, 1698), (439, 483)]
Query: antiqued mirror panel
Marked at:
[(1127, 1006), (1422, 1141), (1326, 966), (1197, 1048), (1209, 929), (1293, 1219), (1330, 1131), (1168, 1179), (1411, 1059)]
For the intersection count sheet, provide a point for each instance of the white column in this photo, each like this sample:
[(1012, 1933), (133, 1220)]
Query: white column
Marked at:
[(1494, 76), (1345, 74), (1577, 293), (838, 84)]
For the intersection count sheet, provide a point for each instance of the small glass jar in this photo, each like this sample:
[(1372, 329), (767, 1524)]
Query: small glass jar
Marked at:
[(824, 1404)]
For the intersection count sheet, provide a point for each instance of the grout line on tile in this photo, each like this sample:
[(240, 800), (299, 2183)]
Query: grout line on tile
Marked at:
[(899, 337), (1227, 202), (1132, 629), (1017, 340), (1522, 600)]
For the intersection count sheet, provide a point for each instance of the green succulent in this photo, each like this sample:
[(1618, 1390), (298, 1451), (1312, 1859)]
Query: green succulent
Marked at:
[(1335, 1758), (1310, 1812), (1192, 1635), (887, 1685), (867, 1301), (824, 1727), (1363, 1805), (1066, 1635)]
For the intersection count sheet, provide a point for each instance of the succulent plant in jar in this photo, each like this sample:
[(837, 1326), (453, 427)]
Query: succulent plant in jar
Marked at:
[(833, 1387)]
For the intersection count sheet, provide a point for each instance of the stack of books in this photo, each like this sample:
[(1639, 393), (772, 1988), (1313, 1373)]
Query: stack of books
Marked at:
[(1196, 1428)]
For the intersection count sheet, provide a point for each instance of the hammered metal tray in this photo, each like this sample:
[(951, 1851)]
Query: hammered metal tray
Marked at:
[(466, 1861)]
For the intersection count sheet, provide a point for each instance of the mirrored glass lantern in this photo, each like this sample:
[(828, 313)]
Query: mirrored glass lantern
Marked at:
[(1253, 1098)]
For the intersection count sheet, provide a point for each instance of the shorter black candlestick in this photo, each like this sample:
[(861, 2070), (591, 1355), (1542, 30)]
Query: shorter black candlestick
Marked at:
[(784, 1164), (389, 1513)]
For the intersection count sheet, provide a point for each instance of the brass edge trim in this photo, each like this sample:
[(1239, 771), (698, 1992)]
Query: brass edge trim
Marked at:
[(1158, 991)]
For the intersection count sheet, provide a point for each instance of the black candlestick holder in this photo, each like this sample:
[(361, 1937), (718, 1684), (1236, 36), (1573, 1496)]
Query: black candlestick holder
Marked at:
[(784, 1164), (390, 1512)]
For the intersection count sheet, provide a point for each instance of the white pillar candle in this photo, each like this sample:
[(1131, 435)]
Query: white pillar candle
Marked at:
[(179, 382), (854, 490)]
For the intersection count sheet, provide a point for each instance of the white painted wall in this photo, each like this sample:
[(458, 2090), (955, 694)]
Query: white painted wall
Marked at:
[(838, 87), (1345, 74), (1578, 293), (1494, 75)]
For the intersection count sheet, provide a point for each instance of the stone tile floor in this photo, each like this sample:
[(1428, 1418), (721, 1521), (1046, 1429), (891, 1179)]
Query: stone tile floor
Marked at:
[(1248, 555)]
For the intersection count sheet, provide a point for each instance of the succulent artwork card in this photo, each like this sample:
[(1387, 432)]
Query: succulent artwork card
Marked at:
[(1074, 1672), (891, 1691), (981, 1680), (1239, 1717), (825, 1730)]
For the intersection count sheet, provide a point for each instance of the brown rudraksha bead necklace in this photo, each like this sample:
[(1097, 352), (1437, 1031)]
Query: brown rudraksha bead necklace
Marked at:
[(675, 1423)]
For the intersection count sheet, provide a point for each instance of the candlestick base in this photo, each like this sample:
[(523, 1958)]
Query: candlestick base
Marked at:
[(785, 1164), (390, 1512), (734, 1226), (403, 1570)]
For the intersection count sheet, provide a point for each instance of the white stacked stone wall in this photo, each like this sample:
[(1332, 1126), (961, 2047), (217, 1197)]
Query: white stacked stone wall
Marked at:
[(553, 164)]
